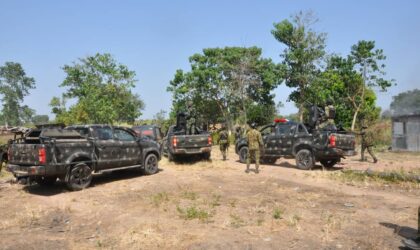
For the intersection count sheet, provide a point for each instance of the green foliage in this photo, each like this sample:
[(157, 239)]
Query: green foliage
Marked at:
[(261, 114), (223, 82), (406, 102), (193, 212), (14, 86), (102, 88), (40, 119), (278, 213), (304, 50)]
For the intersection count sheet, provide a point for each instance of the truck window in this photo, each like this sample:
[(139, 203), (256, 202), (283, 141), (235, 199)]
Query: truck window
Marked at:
[(123, 135), (301, 129), (268, 130), (82, 131), (103, 133)]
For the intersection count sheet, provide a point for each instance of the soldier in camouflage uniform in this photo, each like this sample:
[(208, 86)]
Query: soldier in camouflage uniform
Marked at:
[(238, 133), (367, 143), (329, 115), (255, 141), (223, 141)]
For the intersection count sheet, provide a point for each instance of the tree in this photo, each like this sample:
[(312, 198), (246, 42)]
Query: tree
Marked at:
[(406, 103), (369, 62), (223, 82), (304, 51), (14, 86), (102, 88), (40, 119)]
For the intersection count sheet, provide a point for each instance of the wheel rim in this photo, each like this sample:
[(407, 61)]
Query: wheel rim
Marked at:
[(81, 175), (151, 163), (304, 159)]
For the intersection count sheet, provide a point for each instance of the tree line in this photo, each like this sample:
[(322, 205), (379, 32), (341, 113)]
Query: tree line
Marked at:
[(231, 84)]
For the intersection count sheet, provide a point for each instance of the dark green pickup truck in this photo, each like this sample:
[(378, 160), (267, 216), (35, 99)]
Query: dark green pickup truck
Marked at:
[(293, 140), (73, 154)]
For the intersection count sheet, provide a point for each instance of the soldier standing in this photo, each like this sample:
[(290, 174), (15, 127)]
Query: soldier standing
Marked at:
[(329, 115), (255, 141), (223, 141), (367, 143)]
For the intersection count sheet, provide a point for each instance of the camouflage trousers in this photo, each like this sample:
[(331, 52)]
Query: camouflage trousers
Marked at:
[(253, 155), (223, 148), (369, 148)]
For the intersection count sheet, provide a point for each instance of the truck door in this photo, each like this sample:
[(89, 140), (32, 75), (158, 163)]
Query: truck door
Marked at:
[(106, 147), (129, 148), (286, 133), (270, 139)]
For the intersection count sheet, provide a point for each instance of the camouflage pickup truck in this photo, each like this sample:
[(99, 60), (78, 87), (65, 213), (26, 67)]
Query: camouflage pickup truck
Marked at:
[(73, 154), (293, 140), (181, 140)]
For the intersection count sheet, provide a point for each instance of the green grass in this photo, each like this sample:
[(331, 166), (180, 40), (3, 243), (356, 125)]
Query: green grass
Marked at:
[(192, 212), (277, 213), (388, 177)]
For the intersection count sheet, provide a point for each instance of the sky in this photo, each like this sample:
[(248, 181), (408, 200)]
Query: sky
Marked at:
[(155, 38)]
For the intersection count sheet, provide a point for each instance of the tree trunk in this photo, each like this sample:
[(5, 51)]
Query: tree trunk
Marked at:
[(354, 118), (301, 109)]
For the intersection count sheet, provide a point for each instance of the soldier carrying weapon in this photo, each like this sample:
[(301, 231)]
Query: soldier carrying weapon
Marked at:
[(223, 141)]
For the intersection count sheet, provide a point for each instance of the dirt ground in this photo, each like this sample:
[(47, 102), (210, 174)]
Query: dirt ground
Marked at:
[(216, 205)]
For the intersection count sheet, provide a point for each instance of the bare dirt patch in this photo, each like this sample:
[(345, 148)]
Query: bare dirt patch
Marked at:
[(216, 205)]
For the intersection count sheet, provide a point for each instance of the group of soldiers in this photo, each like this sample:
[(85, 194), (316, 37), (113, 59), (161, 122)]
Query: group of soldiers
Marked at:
[(255, 142)]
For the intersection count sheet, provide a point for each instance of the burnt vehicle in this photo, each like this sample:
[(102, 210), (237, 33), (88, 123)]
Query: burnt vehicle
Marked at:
[(290, 139), (183, 140), (75, 153)]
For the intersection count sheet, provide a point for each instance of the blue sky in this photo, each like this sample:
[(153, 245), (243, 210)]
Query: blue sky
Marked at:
[(154, 38)]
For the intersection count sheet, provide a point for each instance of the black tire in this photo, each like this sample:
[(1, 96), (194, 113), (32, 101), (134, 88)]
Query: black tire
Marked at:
[(206, 156), (79, 177), (329, 163), (243, 154), (46, 181), (151, 165), (304, 159)]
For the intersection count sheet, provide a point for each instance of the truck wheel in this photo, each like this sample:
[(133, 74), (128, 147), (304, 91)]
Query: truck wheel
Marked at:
[(79, 177), (46, 181), (304, 159), (329, 163), (150, 164), (242, 154), (206, 156)]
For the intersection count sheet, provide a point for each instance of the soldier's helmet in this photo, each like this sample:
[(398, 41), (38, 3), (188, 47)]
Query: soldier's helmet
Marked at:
[(253, 125), (329, 101)]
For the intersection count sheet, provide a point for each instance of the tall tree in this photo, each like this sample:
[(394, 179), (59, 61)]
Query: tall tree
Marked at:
[(303, 54), (223, 82), (14, 86), (369, 62), (102, 88)]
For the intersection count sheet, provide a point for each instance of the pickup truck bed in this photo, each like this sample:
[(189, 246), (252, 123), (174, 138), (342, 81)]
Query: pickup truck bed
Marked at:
[(292, 140), (73, 154), (177, 143)]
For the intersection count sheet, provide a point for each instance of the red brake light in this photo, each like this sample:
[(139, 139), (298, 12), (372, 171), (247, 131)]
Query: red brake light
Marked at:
[(174, 141), (42, 156), (209, 140), (332, 141)]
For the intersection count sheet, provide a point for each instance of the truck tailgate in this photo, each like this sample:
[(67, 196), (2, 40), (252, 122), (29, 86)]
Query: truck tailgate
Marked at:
[(192, 141), (24, 154), (345, 141)]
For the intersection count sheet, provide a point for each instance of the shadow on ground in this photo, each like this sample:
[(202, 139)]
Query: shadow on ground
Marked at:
[(407, 233), (98, 179)]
